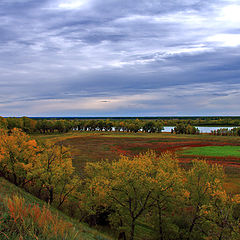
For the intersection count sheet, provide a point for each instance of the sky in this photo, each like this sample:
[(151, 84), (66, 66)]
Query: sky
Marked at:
[(119, 58)]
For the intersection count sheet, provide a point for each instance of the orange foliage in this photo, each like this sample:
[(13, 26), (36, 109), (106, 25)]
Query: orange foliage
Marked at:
[(43, 220), (17, 154), (48, 167)]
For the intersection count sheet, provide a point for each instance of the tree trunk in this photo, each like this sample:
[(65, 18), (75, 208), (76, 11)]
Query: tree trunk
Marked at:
[(132, 229), (122, 235), (39, 192), (160, 222), (15, 179), (50, 195), (191, 227), (220, 237)]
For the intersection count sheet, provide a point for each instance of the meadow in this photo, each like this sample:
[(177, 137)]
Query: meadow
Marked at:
[(216, 151), (96, 146)]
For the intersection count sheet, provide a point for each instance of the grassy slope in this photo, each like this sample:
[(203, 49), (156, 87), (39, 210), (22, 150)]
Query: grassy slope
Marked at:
[(7, 189)]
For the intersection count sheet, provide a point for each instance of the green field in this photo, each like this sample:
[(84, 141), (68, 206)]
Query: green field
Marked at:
[(215, 151)]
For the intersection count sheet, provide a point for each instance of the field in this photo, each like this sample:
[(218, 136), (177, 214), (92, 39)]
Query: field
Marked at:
[(91, 147), (214, 151)]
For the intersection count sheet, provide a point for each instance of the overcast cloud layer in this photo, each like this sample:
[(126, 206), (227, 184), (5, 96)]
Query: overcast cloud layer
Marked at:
[(119, 58)]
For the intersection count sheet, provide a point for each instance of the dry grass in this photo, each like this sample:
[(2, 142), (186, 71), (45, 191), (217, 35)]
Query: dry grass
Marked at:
[(23, 216)]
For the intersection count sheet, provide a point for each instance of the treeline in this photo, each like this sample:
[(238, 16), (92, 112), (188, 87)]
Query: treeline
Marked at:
[(147, 190), (61, 126), (172, 121), (46, 126), (35, 124), (204, 121), (226, 132)]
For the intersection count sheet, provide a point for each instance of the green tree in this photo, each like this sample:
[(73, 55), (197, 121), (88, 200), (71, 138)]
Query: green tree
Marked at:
[(149, 126), (14, 123), (28, 125)]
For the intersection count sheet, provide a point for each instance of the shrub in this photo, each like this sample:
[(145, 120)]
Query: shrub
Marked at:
[(39, 223)]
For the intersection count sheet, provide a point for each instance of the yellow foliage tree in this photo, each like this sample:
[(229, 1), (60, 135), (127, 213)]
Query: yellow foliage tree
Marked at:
[(18, 153), (221, 215), (203, 181), (53, 172), (168, 189), (132, 187)]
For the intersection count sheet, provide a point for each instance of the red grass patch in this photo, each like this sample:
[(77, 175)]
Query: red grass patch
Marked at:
[(98, 147)]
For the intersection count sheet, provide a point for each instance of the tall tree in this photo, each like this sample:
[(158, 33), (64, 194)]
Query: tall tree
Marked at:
[(18, 153), (53, 172), (203, 180)]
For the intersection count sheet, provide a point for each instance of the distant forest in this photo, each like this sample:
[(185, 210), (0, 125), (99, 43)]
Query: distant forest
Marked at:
[(204, 120), (183, 125)]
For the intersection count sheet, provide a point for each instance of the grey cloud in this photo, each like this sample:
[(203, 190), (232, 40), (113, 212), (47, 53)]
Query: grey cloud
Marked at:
[(111, 49)]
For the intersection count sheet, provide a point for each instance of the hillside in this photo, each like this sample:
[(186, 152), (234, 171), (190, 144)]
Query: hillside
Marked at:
[(23, 216)]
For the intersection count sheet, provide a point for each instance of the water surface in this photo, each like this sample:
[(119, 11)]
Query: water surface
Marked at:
[(201, 129)]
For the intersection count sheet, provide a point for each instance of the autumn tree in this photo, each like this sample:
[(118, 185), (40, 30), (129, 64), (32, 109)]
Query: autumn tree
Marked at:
[(222, 216), (121, 126), (203, 180), (133, 188), (18, 153), (168, 192), (54, 173), (125, 185)]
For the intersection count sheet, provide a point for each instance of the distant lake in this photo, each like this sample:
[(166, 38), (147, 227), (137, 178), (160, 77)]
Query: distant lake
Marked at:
[(201, 129)]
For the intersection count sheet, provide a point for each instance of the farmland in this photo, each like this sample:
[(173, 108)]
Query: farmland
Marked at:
[(93, 147)]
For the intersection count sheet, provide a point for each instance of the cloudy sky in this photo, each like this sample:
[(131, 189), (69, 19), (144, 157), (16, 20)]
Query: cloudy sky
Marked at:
[(119, 57)]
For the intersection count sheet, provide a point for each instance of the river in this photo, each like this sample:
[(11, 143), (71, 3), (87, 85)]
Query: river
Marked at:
[(201, 129)]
